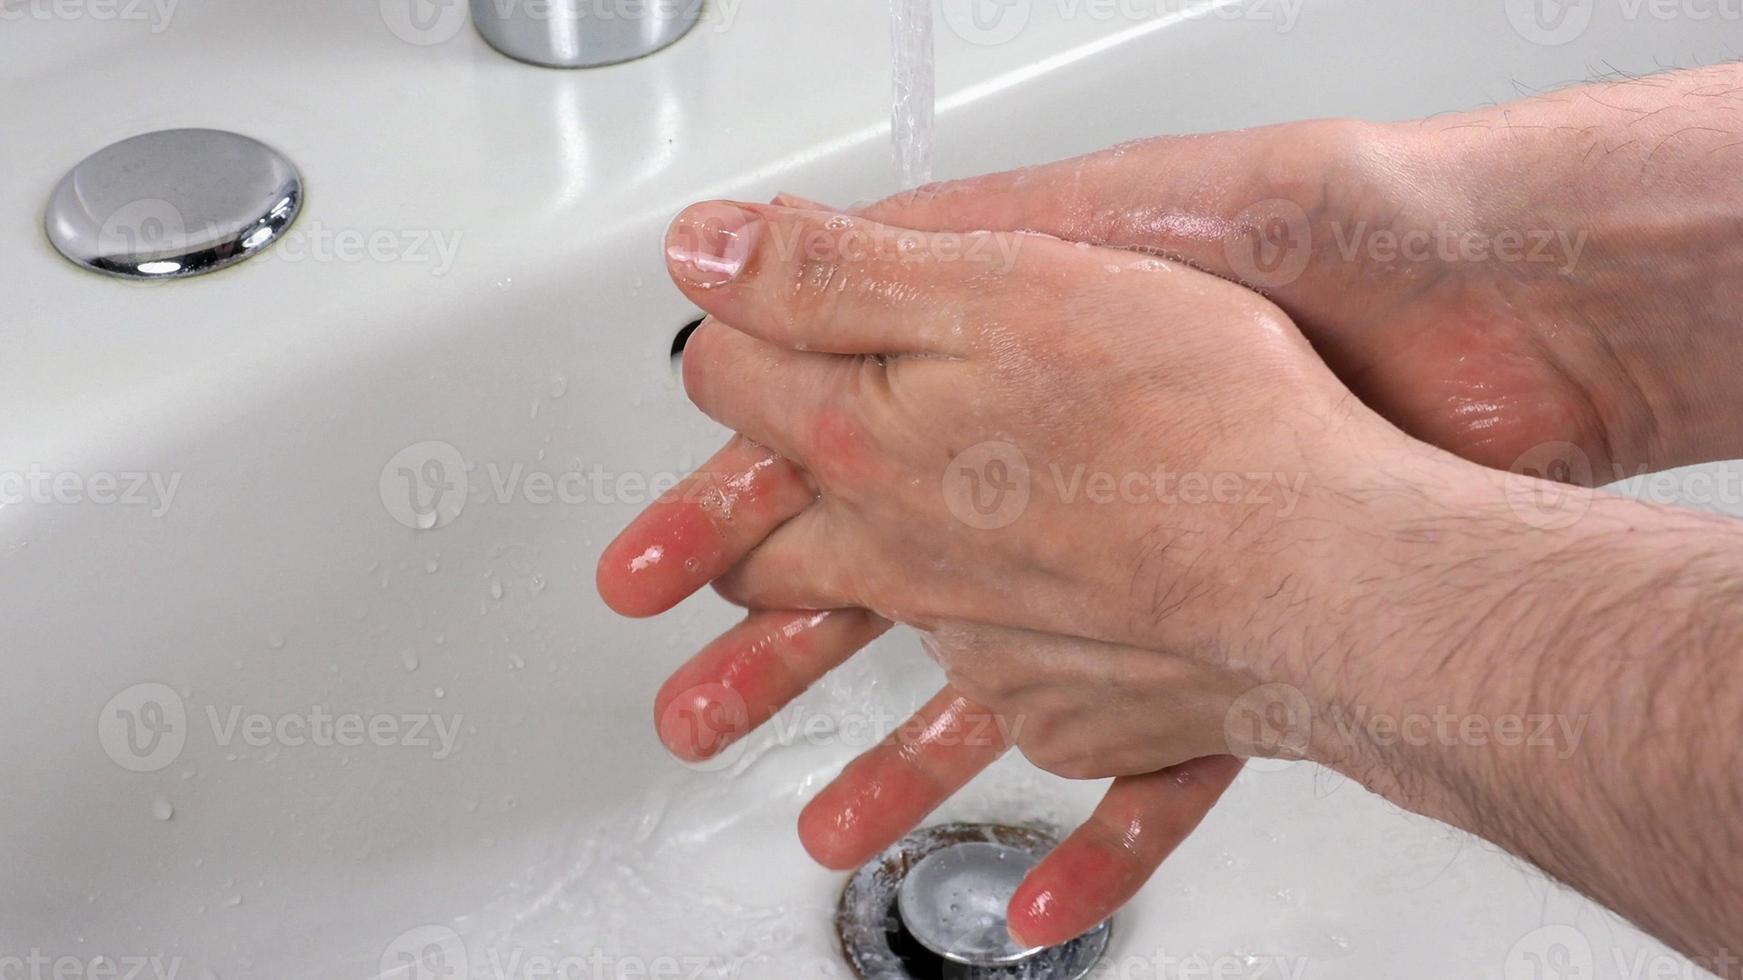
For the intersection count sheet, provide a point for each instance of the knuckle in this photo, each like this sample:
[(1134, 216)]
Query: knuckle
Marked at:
[(705, 356), (837, 446), (817, 274), (1065, 764)]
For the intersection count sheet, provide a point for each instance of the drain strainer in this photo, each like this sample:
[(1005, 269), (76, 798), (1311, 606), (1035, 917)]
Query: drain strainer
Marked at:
[(932, 907)]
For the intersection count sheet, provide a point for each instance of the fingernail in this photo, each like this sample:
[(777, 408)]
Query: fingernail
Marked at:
[(710, 244)]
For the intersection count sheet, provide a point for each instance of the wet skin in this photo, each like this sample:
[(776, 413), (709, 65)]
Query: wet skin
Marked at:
[(740, 680), (1446, 351), (726, 523)]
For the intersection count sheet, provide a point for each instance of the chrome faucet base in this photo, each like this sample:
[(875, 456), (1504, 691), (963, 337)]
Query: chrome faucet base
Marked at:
[(583, 33)]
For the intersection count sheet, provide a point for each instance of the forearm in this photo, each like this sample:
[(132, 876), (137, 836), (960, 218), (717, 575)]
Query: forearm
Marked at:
[(1557, 676), (1638, 180)]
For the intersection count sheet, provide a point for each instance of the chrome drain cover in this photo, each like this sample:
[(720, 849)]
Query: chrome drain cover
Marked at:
[(173, 204), (954, 902), (932, 907)]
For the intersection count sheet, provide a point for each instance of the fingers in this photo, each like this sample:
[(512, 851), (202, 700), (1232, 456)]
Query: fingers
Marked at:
[(813, 281), (752, 671), (701, 528), (1098, 869), (796, 567), (1184, 196), (888, 791), (769, 393), (787, 200)]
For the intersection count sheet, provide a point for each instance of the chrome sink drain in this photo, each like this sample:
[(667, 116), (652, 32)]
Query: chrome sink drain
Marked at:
[(932, 907)]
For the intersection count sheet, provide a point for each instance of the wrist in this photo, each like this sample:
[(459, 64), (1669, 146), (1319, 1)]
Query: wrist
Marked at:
[(1634, 199), (1414, 605), (1495, 635)]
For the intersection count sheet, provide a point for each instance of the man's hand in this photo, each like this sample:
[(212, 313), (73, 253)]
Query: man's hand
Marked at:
[(1150, 337), (1460, 329), (1558, 270)]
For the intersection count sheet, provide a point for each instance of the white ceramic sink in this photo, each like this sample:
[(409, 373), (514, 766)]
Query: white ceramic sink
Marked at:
[(279, 582)]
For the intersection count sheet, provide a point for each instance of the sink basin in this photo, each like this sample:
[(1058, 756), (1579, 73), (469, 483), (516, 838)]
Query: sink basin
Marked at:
[(270, 715)]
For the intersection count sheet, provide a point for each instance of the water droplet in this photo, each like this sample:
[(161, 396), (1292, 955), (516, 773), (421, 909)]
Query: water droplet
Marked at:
[(162, 809), (410, 660), (496, 588), (559, 386), (441, 692), (276, 641), (434, 565)]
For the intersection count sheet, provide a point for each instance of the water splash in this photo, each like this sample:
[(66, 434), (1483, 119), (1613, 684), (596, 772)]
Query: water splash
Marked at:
[(914, 106)]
